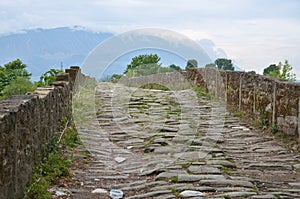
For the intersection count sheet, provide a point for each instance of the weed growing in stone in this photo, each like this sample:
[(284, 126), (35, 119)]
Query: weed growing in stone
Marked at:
[(53, 165), (213, 154), (175, 192), (173, 179), (189, 172), (194, 143), (274, 129), (277, 196), (164, 144), (230, 160), (256, 123), (253, 190), (239, 115), (175, 112), (227, 196), (201, 92), (185, 165), (227, 170)]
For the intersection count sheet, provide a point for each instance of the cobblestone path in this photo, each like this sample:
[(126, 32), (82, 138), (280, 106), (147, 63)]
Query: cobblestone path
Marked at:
[(172, 144)]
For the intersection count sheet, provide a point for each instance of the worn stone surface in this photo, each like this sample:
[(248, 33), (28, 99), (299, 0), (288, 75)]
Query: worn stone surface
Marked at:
[(203, 169), (174, 141)]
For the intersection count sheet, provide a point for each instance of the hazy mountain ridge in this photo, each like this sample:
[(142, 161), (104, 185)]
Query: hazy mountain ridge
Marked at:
[(42, 49)]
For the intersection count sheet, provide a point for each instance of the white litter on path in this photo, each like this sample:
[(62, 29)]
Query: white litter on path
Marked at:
[(99, 190), (120, 159), (189, 193)]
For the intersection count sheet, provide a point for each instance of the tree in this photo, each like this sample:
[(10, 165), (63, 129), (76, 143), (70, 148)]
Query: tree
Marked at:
[(142, 60), (225, 64), (11, 71), (174, 67), (115, 77), (17, 69), (192, 63), (48, 77), (281, 71), (18, 86), (286, 71), (252, 72), (270, 69)]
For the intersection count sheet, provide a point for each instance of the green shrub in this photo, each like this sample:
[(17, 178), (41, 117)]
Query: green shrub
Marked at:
[(48, 77), (19, 86)]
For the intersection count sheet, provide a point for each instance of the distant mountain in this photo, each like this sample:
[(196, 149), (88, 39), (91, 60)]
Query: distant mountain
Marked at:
[(42, 49)]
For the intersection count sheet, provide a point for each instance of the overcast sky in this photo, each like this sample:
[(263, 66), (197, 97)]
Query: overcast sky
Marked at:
[(254, 33)]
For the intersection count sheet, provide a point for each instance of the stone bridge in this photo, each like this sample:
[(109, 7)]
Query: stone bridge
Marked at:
[(178, 143), (174, 143)]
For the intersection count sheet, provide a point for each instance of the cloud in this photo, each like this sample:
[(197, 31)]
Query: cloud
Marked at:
[(253, 32), (136, 13)]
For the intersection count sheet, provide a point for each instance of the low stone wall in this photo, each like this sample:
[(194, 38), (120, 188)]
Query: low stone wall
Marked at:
[(277, 103), (173, 80), (27, 123)]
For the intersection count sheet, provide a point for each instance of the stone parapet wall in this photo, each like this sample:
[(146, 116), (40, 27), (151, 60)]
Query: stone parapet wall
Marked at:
[(269, 100), (27, 123), (173, 80)]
